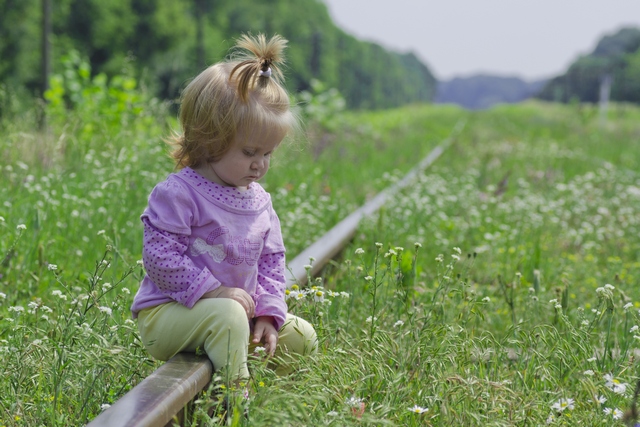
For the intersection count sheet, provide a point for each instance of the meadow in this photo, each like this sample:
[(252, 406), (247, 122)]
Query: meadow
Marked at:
[(500, 289)]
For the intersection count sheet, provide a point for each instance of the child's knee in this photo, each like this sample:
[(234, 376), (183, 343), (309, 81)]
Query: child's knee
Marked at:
[(234, 318), (299, 336)]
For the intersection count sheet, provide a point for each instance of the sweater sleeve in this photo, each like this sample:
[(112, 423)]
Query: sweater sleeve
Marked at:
[(175, 275), (269, 295)]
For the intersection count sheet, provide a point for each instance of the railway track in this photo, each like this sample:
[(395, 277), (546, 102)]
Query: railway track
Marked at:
[(166, 395)]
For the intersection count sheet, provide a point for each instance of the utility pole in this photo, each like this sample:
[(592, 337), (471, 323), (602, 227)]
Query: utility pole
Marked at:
[(605, 90)]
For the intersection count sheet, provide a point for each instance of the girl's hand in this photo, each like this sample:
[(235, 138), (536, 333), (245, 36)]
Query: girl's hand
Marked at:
[(264, 331), (235, 294)]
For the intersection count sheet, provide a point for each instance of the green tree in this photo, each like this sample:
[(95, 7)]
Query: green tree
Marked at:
[(627, 81), (168, 42), (615, 56)]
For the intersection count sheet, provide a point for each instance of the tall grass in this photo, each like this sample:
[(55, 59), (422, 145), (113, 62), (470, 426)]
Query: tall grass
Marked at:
[(499, 289)]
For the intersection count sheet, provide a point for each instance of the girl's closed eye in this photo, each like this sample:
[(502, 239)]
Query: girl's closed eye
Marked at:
[(249, 153)]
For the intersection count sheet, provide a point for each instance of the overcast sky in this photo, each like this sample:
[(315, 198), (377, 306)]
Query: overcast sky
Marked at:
[(526, 38)]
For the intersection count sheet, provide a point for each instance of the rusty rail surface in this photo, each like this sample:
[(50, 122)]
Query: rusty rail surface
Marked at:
[(163, 397)]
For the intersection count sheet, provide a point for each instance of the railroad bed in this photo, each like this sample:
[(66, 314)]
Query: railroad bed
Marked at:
[(167, 394)]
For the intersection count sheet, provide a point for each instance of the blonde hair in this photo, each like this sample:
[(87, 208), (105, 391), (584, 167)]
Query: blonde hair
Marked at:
[(242, 93)]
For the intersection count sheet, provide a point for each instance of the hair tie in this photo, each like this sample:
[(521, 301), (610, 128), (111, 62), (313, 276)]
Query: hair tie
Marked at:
[(265, 73)]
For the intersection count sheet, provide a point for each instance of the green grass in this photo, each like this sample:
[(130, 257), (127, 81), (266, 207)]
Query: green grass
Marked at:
[(542, 200)]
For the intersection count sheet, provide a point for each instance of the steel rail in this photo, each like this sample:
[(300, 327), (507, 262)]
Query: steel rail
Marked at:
[(162, 398), (329, 245)]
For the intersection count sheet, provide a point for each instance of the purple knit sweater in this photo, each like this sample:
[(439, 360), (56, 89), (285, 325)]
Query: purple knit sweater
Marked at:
[(199, 235)]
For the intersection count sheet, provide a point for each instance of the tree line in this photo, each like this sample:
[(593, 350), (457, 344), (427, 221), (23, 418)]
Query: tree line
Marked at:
[(166, 42), (615, 58)]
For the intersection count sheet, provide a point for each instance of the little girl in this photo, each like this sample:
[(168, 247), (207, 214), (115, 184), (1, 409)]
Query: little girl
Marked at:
[(212, 249)]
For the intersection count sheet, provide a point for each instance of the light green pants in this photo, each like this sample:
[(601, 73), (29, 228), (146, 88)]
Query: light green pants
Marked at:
[(219, 327)]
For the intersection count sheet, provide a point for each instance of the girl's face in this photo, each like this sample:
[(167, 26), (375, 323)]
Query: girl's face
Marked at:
[(247, 159)]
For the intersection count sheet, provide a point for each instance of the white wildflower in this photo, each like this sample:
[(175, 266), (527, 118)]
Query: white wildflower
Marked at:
[(633, 328), (486, 299), (627, 306), (418, 409), (318, 296), (588, 372), (457, 250), (610, 287), (353, 401), (296, 295), (59, 294), (614, 384), (398, 324), (601, 399), (106, 310), (359, 251), (21, 227), (52, 267), (563, 404)]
